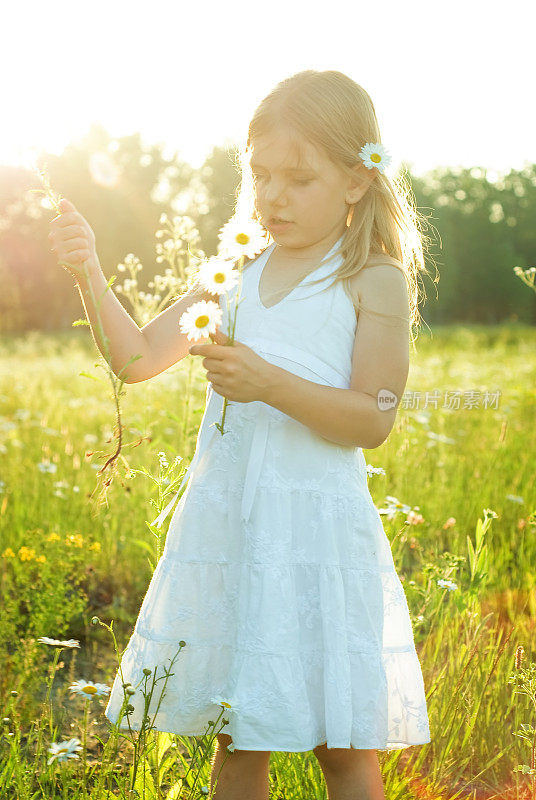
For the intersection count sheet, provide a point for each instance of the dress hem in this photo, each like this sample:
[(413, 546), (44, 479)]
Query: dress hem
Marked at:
[(384, 746)]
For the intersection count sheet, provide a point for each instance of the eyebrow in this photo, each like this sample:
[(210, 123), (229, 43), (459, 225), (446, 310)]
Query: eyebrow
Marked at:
[(254, 165)]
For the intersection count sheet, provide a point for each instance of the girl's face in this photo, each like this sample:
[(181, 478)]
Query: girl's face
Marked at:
[(313, 195)]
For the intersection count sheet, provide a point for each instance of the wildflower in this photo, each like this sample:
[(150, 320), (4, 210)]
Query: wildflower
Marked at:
[(375, 470), (449, 523), (64, 750), (515, 498), (200, 319), (46, 466), (8, 553), (53, 537), (217, 276), (445, 584), (414, 518), (241, 237), (41, 559), (89, 689), (26, 553), (74, 538), (394, 505), (440, 437), (219, 701), (374, 154), (95, 546), (59, 642)]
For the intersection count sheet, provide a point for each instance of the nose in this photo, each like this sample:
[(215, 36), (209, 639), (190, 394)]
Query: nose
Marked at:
[(273, 194)]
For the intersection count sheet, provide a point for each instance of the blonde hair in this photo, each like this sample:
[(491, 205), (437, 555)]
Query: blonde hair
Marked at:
[(337, 116)]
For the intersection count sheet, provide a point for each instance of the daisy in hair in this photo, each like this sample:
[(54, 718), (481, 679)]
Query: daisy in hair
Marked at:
[(374, 154)]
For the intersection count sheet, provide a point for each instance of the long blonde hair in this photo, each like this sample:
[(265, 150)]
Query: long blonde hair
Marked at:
[(337, 115)]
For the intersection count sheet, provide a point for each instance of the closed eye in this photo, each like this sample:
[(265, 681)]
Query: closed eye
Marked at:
[(302, 182)]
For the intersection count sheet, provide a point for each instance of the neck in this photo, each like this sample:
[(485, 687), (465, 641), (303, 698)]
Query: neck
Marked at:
[(310, 252)]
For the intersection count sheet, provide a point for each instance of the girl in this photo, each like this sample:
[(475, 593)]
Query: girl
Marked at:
[(276, 571)]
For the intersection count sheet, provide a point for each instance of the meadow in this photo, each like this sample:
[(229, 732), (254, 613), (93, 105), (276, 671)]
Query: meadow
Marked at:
[(457, 485)]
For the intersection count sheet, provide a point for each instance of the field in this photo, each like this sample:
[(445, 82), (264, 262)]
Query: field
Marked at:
[(465, 466)]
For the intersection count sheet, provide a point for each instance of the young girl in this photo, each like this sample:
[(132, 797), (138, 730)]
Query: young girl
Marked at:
[(277, 572)]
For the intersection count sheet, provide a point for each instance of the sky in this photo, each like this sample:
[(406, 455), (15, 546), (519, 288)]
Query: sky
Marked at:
[(452, 82)]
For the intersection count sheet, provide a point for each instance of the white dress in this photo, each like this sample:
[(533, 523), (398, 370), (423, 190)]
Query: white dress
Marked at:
[(276, 571)]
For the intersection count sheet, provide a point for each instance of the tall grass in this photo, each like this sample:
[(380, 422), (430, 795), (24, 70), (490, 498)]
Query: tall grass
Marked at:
[(468, 474)]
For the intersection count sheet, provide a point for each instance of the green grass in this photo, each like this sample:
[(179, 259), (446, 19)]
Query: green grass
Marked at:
[(466, 638)]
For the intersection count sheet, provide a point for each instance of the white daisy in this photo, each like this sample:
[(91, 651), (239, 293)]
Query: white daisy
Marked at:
[(200, 319), (45, 466), (89, 689), (394, 505), (375, 470), (515, 498), (373, 155), (64, 750), (59, 642), (450, 585), (217, 275), (219, 701), (241, 236)]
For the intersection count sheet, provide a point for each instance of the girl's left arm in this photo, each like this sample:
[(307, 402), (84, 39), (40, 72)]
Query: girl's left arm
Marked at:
[(364, 414)]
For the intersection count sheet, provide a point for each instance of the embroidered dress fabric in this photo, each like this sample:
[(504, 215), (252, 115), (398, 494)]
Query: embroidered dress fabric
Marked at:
[(276, 571)]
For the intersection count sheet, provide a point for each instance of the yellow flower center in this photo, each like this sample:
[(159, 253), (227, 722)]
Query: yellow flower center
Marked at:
[(376, 157), (219, 277), (63, 750), (242, 238), (201, 321), (90, 689), (227, 705)]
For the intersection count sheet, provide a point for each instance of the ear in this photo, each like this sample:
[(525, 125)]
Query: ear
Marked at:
[(359, 183)]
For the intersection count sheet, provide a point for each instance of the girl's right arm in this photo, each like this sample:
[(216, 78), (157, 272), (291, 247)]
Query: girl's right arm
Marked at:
[(160, 342)]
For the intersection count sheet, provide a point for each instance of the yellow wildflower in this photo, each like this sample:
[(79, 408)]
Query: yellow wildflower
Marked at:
[(8, 553), (95, 546), (26, 553), (53, 537), (74, 538), (41, 559)]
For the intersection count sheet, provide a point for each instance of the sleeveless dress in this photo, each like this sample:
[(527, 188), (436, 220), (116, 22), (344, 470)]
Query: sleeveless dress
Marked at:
[(276, 571)]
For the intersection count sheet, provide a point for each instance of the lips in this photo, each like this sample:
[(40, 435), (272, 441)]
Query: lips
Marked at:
[(276, 220)]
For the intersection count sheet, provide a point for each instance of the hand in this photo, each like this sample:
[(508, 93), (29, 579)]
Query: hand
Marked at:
[(235, 371), (73, 239)]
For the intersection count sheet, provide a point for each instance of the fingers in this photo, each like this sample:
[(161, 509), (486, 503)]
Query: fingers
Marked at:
[(63, 220), (66, 205), (77, 257)]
